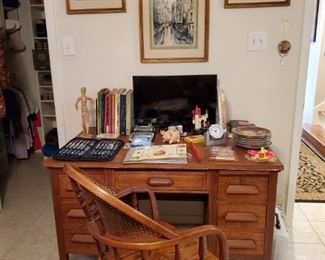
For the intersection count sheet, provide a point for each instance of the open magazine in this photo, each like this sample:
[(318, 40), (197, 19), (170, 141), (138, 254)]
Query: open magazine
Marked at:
[(172, 153)]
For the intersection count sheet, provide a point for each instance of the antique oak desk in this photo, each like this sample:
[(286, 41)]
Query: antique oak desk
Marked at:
[(240, 198)]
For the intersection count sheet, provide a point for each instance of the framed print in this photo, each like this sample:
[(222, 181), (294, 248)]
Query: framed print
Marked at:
[(174, 31), (255, 3), (95, 6)]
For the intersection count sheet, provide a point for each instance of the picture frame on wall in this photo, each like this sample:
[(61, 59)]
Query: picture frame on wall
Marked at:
[(95, 6), (255, 3), (174, 31)]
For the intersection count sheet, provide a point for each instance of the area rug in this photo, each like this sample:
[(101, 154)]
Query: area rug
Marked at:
[(311, 176)]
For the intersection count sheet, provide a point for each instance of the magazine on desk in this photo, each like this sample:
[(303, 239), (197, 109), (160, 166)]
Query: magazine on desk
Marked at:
[(173, 153)]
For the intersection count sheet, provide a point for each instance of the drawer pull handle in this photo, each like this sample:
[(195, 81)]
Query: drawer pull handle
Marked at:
[(160, 182), (241, 244), (76, 213), (82, 238), (242, 189), (240, 217)]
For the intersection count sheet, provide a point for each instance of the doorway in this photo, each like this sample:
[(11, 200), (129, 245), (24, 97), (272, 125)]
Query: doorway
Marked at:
[(311, 169)]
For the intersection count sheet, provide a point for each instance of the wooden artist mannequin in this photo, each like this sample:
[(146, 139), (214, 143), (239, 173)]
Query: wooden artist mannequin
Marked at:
[(84, 111)]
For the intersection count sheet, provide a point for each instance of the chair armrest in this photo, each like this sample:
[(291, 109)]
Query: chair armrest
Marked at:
[(204, 230), (142, 189)]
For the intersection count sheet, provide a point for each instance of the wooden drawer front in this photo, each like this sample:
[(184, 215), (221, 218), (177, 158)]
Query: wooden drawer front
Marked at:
[(165, 181), (242, 217), (66, 190), (72, 214), (245, 243), (243, 189), (79, 242)]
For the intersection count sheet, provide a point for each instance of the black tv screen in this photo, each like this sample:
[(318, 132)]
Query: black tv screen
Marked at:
[(170, 100)]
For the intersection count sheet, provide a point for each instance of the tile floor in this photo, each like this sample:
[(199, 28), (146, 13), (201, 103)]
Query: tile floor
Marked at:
[(27, 222)]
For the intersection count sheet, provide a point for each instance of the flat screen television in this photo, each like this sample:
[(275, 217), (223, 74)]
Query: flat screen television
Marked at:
[(170, 100)]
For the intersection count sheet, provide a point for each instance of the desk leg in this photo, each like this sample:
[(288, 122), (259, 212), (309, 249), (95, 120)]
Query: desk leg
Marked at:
[(56, 206), (212, 209), (271, 203)]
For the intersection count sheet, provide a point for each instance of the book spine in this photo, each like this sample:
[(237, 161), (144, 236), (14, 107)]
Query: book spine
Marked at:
[(128, 114), (103, 109), (99, 114), (117, 113), (113, 112), (96, 102), (123, 114), (132, 112), (106, 113), (110, 113)]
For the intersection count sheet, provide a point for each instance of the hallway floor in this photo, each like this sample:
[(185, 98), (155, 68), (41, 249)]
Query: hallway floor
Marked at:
[(27, 223)]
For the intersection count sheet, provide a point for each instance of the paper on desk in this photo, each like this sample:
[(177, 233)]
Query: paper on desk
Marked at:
[(174, 153)]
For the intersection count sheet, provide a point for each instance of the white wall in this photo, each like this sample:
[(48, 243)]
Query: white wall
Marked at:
[(257, 87)]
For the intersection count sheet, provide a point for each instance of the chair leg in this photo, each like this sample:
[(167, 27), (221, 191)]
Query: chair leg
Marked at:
[(144, 255), (201, 248), (102, 249), (116, 254), (177, 253)]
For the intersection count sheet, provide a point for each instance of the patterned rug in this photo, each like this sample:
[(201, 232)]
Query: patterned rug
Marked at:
[(311, 176)]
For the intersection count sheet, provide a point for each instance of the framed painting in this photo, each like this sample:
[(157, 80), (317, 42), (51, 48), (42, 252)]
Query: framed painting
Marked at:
[(174, 31), (255, 3), (95, 6)]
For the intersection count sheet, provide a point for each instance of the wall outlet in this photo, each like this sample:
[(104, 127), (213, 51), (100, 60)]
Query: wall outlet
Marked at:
[(257, 41)]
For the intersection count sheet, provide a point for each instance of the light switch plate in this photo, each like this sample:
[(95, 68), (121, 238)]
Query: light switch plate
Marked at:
[(257, 41), (68, 46)]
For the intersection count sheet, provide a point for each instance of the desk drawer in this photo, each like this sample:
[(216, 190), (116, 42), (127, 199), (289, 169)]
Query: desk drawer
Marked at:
[(242, 217), (72, 214), (242, 189), (245, 243), (66, 190), (79, 242), (162, 180)]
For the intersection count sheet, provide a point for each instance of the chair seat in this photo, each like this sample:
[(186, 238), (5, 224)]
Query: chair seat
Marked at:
[(189, 251)]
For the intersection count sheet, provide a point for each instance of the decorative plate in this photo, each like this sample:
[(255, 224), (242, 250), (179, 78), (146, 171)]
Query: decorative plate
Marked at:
[(252, 132)]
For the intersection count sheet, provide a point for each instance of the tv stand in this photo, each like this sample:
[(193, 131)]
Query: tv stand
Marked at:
[(240, 197)]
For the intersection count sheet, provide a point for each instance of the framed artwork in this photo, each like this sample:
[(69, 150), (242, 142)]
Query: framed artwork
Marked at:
[(255, 3), (174, 31), (95, 6)]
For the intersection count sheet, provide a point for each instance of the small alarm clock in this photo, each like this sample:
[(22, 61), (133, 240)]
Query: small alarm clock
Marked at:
[(214, 135)]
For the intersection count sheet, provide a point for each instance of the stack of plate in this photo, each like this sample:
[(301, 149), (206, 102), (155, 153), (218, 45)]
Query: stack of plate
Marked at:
[(252, 137)]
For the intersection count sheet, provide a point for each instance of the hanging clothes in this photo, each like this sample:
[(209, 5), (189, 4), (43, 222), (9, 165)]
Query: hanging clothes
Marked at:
[(17, 127)]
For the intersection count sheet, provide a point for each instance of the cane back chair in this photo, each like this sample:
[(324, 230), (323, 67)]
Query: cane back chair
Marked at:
[(122, 232)]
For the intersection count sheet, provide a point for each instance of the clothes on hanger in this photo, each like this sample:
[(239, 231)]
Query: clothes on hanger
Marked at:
[(19, 137)]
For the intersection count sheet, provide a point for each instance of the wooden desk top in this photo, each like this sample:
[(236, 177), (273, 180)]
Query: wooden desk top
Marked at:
[(205, 165)]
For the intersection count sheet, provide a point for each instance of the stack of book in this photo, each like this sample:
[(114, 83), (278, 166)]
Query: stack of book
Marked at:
[(114, 111)]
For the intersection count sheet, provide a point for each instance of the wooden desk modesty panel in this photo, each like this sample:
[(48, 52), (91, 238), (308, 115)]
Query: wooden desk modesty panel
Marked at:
[(240, 197)]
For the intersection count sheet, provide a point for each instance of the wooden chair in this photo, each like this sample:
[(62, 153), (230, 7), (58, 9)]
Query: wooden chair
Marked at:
[(122, 232)]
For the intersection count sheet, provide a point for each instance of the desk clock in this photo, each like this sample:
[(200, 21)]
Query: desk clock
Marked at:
[(214, 135)]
